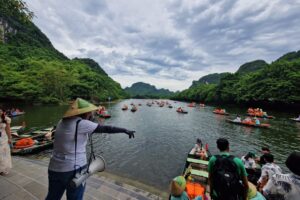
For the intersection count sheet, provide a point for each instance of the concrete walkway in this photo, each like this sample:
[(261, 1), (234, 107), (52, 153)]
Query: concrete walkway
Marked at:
[(28, 181)]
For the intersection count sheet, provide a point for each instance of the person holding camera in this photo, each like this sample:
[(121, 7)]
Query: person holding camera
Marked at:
[(69, 151)]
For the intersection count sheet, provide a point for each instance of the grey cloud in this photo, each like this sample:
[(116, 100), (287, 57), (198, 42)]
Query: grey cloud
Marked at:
[(201, 36)]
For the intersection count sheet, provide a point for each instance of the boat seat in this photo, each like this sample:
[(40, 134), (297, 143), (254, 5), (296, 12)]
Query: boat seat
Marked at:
[(192, 160), (199, 173)]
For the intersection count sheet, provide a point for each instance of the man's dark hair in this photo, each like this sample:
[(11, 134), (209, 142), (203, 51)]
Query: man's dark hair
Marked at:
[(269, 158), (265, 149), (222, 144)]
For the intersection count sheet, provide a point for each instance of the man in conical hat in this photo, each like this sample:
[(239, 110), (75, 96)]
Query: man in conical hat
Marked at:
[(65, 161)]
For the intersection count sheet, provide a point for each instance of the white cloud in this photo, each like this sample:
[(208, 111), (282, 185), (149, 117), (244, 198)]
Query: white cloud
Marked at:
[(169, 43)]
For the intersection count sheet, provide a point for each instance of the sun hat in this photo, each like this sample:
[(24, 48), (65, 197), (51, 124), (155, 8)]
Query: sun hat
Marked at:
[(78, 107), (178, 186), (292, 162)]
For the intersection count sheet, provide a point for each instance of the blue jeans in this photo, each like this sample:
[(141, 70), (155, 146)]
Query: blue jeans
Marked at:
[(59, 182)]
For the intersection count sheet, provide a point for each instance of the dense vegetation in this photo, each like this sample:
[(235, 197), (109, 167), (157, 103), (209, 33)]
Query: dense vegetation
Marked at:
[(257, 81), (32, 70), (144, 90)]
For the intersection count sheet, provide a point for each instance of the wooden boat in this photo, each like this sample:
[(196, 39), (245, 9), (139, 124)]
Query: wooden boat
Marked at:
[(15, 114), (37, 134), (192, 104), (104, 114), (260, 116), (248, 124), (40, 145), (220, 113), (133, 109), (181, 111), (196, 174), (125, 108), (295, 119)]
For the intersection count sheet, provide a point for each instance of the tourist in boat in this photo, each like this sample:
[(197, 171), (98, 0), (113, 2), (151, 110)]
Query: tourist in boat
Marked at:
[(5, 142), (237, 119), (257, 122), (267, 171), (264, 151), (248, 120), (177, 186), (286, 186), (249, 161), (215, 170), (199, 150), (66, 161)]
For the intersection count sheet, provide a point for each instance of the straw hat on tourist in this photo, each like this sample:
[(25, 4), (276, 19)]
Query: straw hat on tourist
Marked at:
[(78, 107), (178, 186)]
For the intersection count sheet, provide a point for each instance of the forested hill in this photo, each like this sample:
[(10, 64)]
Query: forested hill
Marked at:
[(254, 82), (252, 66), (32, 70), (145, 90), (209, 79)]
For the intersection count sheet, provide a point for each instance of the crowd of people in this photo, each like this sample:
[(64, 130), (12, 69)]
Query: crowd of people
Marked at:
[(247, 120), (232, 178), (257, 112)]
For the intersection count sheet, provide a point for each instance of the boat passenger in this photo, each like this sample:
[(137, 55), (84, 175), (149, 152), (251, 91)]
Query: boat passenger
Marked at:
[(267, 171), (177, 187), (237, 119), (285, 186), (264, 151), (199, 150), (249, 161), (257, 122), (69, 156), (247, 120)]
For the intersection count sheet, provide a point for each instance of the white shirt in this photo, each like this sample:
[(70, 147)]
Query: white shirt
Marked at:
[(285, 185), (268, 170), (63, 156), (249, 164)]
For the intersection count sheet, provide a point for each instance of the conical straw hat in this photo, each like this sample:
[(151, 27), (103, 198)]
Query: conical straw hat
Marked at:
[(78, 107), (178, 186)]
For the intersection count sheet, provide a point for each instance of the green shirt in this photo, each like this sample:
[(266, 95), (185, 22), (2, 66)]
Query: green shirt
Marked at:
[(239, 163), (240, 166)]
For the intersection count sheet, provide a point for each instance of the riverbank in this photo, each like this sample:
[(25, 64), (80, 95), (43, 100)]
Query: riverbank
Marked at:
[(28, 180)]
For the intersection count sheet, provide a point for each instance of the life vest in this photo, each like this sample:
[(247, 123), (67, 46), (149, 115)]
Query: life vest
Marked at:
[(194, 189), (24, 143)]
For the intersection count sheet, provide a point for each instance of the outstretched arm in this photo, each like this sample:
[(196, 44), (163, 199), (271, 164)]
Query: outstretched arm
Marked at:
[(112, 129)]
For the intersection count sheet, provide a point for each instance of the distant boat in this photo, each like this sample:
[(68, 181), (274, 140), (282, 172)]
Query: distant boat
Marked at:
[(125, 107), (295, 119), (133, 109), (249, 124), (220, 112), (180, 110)]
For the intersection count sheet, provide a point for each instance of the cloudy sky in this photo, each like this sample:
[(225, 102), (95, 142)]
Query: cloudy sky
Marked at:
[(169, 43)]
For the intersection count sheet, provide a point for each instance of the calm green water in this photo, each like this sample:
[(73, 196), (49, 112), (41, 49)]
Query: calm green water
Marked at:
[(163, 137)]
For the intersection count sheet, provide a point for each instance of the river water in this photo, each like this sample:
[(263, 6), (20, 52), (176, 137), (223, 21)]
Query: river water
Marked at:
[(163, 137)]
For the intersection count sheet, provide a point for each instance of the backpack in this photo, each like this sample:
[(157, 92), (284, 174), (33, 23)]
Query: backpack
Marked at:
[(226, 179)]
